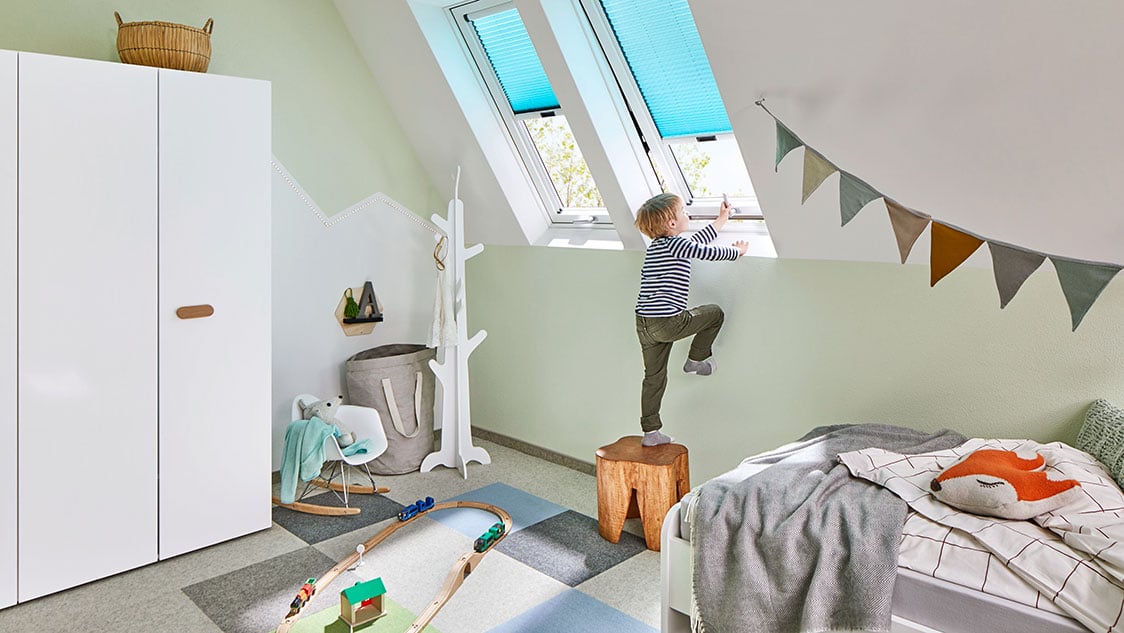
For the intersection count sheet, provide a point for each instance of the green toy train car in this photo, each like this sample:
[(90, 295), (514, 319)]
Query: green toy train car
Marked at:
[(490, 537)]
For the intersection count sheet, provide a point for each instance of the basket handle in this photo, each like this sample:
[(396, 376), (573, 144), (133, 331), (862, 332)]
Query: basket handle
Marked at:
[(119, 21), (209, 26)]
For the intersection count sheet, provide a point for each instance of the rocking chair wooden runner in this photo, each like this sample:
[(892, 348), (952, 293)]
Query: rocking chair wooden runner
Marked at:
[(364, 423)]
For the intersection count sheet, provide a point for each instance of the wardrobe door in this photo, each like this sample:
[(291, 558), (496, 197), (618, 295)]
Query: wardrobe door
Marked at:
[(87, 321), (214, 251), (8, 470)]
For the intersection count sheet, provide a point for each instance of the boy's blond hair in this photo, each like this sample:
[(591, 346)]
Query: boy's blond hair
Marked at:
[(654, 215)]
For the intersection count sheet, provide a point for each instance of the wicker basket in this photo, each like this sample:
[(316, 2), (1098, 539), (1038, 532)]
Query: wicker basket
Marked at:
[(164, 44)]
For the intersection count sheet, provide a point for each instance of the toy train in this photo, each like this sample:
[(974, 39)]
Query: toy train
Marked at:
[(489, 538), (416, 508), (304, 594)]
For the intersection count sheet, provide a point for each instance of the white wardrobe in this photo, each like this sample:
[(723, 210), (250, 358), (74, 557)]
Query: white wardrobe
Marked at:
[(129, 193)]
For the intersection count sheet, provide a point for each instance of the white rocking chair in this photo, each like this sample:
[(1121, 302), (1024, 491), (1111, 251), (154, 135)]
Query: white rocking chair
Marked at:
[(363, 423)]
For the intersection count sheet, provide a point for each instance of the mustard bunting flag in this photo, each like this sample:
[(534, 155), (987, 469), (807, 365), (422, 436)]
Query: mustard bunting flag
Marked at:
[(854, 194), (786, 142), (816, 170), (1012, 266), (950, 248), (1082, 282), (907, 225)]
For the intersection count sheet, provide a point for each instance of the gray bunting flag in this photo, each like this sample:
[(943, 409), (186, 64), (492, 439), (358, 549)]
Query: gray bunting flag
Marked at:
[(1012, 266)]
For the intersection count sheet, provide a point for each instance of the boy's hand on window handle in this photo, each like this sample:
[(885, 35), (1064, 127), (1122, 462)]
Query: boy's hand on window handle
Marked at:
[(742, 246)]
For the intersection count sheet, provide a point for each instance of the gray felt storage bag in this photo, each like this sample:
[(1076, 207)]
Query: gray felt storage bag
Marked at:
[(396, 381)]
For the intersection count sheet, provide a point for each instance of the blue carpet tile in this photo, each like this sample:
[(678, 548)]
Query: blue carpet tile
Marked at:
[(570, 612), (525, 509)]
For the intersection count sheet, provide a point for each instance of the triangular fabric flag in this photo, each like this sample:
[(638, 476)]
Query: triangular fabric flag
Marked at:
[(1012, 266), (949, 249), (786, 142), (854, 194), (816, 170), (1082, 283), (907, 225)]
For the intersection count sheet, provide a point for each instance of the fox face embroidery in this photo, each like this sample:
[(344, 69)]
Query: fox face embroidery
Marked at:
[(1002, 484)]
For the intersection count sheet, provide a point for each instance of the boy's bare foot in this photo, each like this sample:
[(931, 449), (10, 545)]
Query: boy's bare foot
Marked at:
[(655, 438), (700, 367)]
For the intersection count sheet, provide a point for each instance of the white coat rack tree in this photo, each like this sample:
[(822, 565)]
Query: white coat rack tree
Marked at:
[(452, 371)]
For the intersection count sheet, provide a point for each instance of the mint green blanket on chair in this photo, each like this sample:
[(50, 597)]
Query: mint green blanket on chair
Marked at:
[(303, 456)]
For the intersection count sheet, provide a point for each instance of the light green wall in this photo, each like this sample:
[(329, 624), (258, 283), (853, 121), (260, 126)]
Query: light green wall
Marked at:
[(332, 128), (805, 343)]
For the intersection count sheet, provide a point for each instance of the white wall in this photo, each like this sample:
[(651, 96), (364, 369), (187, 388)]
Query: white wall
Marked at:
[(1000, 117), (313, 264)]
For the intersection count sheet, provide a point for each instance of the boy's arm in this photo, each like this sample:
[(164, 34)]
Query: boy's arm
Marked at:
[(680, 247), (708, 234)]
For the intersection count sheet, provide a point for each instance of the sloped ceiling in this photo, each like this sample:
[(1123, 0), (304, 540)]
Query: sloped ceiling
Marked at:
[(1003, 118)]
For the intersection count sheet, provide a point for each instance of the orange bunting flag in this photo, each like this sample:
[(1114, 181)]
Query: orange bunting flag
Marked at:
[(950, 247), (907, 224)]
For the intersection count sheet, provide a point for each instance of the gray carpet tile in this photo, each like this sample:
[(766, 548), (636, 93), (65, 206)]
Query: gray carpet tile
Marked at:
[(255, 599), (568, 548), (313, 528)]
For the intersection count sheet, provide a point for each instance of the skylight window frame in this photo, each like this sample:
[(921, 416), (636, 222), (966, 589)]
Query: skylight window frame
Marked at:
[(535, 168), (659, 147)]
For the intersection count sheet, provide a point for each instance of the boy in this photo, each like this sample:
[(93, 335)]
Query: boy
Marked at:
[(662, 316)]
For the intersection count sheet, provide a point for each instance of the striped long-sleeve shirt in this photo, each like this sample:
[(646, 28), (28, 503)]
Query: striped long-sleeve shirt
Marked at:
[(665, 277)]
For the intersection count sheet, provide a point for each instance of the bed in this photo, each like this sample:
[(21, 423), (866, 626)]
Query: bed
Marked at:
[(931, 591)]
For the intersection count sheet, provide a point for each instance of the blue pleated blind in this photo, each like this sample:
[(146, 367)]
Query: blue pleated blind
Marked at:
[(664, 52), (515, 61)]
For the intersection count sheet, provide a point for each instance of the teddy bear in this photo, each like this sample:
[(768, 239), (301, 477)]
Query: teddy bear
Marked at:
[(325, 410)]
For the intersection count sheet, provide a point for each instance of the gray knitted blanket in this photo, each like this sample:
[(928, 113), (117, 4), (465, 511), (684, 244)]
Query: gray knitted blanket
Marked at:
[(803, 545)]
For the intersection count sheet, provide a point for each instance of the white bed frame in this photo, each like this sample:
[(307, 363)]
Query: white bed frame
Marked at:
[(675, 593)]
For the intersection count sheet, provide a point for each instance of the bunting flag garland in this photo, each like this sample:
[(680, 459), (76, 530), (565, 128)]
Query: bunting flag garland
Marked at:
[(854, 194), (950, 248), (908, 226), (816, 170), (1012, 267), (1082, 281), (786, 142)]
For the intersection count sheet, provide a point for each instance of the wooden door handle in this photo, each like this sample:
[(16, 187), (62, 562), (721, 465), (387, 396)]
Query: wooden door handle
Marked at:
[(195, 312)]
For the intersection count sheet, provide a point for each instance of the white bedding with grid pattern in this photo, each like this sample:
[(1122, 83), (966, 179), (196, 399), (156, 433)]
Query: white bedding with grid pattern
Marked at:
[(1072, 557), (948, 580)]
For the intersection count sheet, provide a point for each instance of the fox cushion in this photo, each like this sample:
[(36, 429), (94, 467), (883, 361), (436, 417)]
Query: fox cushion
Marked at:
[(1002, 484)]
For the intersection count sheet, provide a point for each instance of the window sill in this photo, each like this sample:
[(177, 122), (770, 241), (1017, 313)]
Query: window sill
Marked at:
[(605, 238), (755, 232)]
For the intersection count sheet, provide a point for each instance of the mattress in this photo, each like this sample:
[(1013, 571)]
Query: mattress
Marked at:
[(934, 602)]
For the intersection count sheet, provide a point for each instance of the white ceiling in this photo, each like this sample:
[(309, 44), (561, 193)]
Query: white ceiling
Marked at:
[(1003, 117)]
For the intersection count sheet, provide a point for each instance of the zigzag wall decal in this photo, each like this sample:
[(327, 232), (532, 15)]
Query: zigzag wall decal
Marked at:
[(331, 221)]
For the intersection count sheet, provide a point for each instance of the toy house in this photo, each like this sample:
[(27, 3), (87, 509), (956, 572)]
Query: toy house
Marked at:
[(362, 603)]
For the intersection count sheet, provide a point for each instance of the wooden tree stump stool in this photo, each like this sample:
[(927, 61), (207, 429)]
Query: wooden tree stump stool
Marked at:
[(639, 481)]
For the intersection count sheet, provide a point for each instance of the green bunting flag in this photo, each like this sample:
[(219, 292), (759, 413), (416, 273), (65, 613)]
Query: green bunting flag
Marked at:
[(854, 194), (950, 247), (907, 224), (1012, 266), (786, 142), (1082, 282), (816, 170)]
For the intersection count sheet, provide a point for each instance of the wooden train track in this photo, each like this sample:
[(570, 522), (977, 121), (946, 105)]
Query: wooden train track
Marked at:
[(461, 569)]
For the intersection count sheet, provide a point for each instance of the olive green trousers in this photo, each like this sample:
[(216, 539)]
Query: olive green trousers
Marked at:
[(656, 335)]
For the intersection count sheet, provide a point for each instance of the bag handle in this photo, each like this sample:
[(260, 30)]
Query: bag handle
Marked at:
[(392, 405)]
